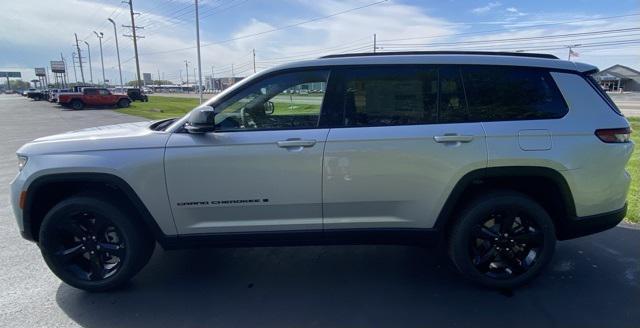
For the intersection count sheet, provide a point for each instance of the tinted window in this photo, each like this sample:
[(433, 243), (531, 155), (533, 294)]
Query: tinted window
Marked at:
[(511, 93), (91, 92), (452, 106), (285, 101), (389, 96)]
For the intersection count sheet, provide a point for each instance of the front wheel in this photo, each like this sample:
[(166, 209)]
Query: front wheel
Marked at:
[(92, 244), (502, 240), (123, 103)]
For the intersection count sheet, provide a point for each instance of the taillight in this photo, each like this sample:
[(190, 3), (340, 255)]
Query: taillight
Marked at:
[(621, 135)]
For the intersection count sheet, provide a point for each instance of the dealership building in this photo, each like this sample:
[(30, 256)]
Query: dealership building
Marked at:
[(619, 78)]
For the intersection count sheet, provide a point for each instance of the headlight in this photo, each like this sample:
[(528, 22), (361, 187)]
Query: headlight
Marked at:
[(22, 161)]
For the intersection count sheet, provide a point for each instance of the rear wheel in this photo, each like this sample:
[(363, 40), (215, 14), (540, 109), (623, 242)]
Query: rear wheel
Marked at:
[(77, 104), (93, 245), (123, 103), (502, 240)]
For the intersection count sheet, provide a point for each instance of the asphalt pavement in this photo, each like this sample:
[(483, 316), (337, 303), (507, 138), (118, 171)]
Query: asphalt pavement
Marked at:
[(592, 282)]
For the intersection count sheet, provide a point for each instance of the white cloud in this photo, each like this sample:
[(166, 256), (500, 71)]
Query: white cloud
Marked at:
[(485, 9)]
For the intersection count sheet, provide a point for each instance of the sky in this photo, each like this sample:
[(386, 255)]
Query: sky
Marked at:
[(34, 32)]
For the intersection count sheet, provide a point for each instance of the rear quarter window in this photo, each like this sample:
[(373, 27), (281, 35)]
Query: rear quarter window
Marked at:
[(511, 93)]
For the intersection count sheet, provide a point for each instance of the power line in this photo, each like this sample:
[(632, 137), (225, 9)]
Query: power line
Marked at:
[(273, 29), (512, 28)]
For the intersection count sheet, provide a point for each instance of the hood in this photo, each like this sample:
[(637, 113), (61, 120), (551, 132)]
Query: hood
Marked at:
[(119, 136)]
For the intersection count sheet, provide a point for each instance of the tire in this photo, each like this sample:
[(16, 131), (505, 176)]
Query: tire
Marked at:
[(123, 103), (499, 255), (92, 244), (76, 104)]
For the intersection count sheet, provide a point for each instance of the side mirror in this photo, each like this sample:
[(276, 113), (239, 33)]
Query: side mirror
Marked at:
[(201, 120), (269, 107)]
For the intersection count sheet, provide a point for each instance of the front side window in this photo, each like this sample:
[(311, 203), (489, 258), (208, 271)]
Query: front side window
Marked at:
[(104, 92), (511, 93), (383, 96), (286, 101)]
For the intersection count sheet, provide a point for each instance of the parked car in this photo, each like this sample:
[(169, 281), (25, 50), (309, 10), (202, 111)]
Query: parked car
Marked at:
[(135, 94), (36, 94), (53, 96), (93, 97), (495, 155)]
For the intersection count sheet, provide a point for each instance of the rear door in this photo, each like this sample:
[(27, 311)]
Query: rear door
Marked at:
[(401, 143), (91, 97)]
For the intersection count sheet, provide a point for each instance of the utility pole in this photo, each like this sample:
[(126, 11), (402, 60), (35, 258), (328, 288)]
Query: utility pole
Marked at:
[(135, 39), (79, 57), (213, 80), (186, 65), (254, 60), (115, 31), (73, 60), (159, 79), (90, 69), (199, 62), (375, 45), (100, 36), (66, 72)]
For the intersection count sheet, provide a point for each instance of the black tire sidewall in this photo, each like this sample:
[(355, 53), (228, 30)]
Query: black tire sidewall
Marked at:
[(77, 104), (137, 243), (123, 103), (478, 211)]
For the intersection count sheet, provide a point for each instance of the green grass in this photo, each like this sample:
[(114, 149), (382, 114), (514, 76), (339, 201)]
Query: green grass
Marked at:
[(633, 212), (164, 107), (161, 107)]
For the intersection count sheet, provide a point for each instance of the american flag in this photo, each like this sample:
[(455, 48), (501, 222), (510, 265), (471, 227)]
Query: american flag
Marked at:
[(573, 53)]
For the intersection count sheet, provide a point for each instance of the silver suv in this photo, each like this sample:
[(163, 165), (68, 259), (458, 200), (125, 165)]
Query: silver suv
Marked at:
[(494, 156)]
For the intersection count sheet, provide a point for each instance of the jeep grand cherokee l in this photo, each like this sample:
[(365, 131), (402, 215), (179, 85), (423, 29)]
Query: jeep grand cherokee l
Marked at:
[(495, 155)]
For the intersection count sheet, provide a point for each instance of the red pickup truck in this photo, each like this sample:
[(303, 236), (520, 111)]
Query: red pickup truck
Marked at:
[(93, 97)]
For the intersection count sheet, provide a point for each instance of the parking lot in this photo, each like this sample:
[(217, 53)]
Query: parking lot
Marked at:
[(593, 281)]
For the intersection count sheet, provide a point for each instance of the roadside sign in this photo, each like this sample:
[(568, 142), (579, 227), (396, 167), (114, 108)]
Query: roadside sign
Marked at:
[(40, 71), (10, 74), (57, 66)]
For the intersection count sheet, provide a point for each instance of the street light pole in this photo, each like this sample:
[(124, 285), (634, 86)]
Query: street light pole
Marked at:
[(199, 62), (100, 36), (115, 31), (90, 70)]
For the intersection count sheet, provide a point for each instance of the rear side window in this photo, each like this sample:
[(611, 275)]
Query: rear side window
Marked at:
[(389, 96), (511, 93), (596, 86)]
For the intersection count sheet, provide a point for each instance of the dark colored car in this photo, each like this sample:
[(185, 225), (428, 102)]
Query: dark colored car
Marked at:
[(137, 94)]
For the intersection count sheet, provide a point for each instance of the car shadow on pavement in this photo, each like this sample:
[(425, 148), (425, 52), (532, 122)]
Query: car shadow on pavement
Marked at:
[(592, 282)]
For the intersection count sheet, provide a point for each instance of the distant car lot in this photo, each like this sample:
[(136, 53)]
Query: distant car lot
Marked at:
[(629, 103), (592, 282)]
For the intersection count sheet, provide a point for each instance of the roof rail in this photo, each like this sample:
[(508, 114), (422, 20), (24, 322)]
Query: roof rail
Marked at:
[(408, 53)]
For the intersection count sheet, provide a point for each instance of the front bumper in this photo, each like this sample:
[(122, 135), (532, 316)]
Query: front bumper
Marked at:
[(587, 225)]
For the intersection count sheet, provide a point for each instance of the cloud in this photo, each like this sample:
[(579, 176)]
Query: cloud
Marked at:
[(485, 9)]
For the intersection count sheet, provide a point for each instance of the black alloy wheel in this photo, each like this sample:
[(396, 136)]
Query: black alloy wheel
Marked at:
[(506, 244), (89, 246), (93, 243), (502, 240)]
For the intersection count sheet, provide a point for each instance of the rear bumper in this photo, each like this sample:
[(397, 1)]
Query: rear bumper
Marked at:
[(587, 225)]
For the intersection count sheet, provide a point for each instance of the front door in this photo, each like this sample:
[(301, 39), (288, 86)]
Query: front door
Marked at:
[(404, 143), (261, 170)]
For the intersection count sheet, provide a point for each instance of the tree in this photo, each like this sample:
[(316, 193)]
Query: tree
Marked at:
[(14, 84)]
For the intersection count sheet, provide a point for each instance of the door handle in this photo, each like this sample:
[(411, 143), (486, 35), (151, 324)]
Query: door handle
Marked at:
[(452, 138), (290, 143)]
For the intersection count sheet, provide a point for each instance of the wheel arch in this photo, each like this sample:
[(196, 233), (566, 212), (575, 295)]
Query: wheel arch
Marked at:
[(545, 185), (46, 191)]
